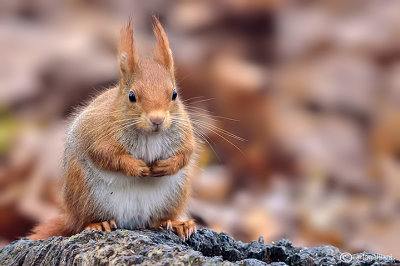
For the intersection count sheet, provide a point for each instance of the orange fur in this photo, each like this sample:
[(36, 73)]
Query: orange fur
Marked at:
[(53, 227), (127, 52), (163, 51), (97, 132)]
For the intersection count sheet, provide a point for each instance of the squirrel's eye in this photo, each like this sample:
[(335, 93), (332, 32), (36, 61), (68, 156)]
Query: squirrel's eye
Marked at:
[(174, 95), (132, 97)]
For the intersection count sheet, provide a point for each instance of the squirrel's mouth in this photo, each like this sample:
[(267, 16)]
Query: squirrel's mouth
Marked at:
[(157, 128)]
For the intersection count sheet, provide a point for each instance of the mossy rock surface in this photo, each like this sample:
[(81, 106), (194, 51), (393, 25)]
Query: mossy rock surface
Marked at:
[(159, 247)]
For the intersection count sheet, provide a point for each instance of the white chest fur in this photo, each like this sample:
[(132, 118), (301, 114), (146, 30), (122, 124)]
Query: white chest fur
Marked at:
[(152, 147), (133, 201)]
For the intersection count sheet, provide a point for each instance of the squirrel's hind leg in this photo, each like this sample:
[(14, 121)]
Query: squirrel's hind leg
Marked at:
[(102, 226), (183, 229)]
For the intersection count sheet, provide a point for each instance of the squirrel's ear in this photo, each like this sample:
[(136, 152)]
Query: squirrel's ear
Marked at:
[(127, 56), (163, 52)]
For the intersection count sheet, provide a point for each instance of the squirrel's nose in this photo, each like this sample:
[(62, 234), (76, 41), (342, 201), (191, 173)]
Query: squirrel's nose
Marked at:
[(157, 121), (156, 117)]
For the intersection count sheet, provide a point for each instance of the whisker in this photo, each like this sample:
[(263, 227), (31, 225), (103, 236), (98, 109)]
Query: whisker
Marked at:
[(192, 98), (210, 116), (221, 136), (200, 101), (207, 112), (185, 77), (198, 108), (229, 142), (205, 138), (222, 131)]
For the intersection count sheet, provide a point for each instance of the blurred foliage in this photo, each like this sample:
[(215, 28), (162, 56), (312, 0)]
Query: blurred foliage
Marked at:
[(9, 127)]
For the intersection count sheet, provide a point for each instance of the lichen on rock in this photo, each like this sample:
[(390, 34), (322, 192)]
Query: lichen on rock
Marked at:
[(149, 247)]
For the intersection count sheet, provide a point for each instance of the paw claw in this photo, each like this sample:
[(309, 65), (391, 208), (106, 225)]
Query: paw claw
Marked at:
[(113, 224), (183, 229), (106, 226), (169, 225)]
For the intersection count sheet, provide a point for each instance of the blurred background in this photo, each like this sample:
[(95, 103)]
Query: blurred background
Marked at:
[(314, 85)]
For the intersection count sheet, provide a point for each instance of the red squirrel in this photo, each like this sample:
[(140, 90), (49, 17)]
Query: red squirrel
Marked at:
[(129, 154)]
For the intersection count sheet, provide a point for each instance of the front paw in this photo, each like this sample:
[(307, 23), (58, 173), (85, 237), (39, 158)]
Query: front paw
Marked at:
[(163, 168), (139, 169)]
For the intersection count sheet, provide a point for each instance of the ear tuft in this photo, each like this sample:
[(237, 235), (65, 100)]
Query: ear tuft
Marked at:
[(163, 52), (127, 53)]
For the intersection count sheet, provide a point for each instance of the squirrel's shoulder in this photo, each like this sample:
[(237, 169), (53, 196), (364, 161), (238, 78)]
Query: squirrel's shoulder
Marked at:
[(92, 114), (97, 104), (104, 99)]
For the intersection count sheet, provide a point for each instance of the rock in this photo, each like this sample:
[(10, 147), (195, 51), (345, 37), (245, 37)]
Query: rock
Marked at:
[(150, 246)]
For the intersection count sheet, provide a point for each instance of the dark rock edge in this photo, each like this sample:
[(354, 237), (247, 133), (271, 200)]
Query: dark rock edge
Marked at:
[(149, 247)]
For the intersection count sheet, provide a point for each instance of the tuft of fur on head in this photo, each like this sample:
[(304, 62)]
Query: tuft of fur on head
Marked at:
[(127, 53), (163, 52)]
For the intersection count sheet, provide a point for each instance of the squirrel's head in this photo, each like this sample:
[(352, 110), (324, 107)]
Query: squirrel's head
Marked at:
[(147, 87)]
